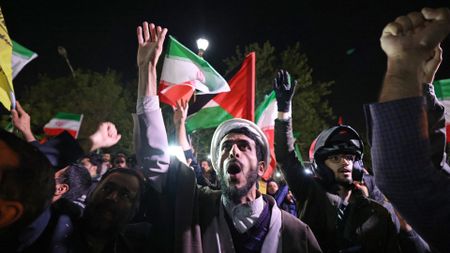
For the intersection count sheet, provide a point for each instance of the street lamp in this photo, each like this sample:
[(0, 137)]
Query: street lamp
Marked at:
[(63, 52), (202, 45)]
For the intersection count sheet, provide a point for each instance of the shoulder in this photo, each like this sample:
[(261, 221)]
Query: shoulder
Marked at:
[(296, 235), (291, 224)]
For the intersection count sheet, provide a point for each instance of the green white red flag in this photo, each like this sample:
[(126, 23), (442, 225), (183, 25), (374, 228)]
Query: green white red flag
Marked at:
[(21, 56), (237, 103), (184, 72), (266, 113), (442, 91), (62, 121)]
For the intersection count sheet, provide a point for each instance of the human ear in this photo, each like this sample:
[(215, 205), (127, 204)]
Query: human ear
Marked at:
[(261, 168), (10, 212), (61, 189)]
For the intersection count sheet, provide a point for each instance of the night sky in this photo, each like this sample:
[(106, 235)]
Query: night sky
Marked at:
[(101, 34)]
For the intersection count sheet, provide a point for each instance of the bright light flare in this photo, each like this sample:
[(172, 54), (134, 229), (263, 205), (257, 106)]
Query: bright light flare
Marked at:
[(202, 44)]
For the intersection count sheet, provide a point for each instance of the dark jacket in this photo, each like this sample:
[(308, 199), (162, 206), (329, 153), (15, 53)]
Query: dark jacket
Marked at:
[(406, 166), (190, 218), (200, 209), (368, 226)]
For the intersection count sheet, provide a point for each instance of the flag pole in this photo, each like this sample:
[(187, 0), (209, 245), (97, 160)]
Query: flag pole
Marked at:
[(251, 100)]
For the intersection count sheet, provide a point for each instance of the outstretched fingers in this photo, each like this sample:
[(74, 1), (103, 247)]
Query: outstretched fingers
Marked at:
[(146, 31), (161, 36)]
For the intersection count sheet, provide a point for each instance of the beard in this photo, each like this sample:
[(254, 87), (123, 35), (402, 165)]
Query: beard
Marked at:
[(345, 182), (234, 193)]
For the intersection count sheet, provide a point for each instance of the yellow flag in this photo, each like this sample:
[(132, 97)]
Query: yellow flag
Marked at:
[(6, 86)]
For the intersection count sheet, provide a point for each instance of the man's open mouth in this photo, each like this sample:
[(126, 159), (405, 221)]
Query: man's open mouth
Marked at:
[(233, 168)]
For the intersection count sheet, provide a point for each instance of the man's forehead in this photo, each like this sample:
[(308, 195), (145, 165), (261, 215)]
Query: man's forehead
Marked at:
[(236, 137), (8, 157)]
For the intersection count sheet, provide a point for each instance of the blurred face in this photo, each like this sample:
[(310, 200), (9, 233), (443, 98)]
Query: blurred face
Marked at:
[(89, 166), (205, 166), (10, 210), (239, 166), (112, 203), (8, 158), (290, 197), (272, 188), (106, 157), (120, 162), (342, 167)]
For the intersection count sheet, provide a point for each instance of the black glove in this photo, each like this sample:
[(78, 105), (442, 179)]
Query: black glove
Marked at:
[(284, 87)]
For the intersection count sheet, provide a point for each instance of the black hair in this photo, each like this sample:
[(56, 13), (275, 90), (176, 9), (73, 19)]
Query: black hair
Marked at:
[(94, 158), (78, 179), (205, 160), (31, 182), (245, 131)]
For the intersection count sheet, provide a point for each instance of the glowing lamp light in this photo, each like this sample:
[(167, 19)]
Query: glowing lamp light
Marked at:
[(202, 44), (277, 174)]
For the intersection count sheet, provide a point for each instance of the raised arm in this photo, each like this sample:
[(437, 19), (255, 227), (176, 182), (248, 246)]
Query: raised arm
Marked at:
[(435, 110), (105, 136), (21, 121), (179, 120), (401, 152), (149, 130), (292, 168), (408, 42)]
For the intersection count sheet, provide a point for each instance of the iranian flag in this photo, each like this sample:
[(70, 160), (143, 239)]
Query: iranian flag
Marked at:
[(184, 72), (62, 121), (442, 91), (266, 113), (21, 56), (237, 103)]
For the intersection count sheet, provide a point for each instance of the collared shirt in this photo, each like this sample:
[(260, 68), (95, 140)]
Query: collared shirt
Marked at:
[(244, 215)]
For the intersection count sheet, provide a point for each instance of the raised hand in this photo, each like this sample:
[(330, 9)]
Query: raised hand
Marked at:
[(105, 136), (21, 121), (150, 40), (415, 35), (432, 65), (284, 87), (180, 113)]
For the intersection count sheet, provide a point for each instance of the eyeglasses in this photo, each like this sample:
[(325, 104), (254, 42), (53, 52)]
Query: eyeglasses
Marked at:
[(338, 158)]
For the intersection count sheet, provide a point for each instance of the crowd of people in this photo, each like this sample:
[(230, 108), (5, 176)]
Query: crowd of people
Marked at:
[(63, 196)]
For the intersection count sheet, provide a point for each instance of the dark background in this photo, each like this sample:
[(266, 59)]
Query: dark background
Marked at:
[(99, 35)]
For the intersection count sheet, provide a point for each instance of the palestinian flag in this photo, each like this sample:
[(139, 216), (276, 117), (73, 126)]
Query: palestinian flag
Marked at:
[(237, 103), (184, 71), (64, 122), (21, 56), (266, 113), (442, 91)]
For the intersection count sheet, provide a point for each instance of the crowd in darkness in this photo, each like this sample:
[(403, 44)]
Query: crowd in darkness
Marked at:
[(66, 196)]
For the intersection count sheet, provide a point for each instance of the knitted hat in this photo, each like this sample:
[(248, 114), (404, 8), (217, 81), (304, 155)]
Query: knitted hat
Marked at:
[(236, 123)]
